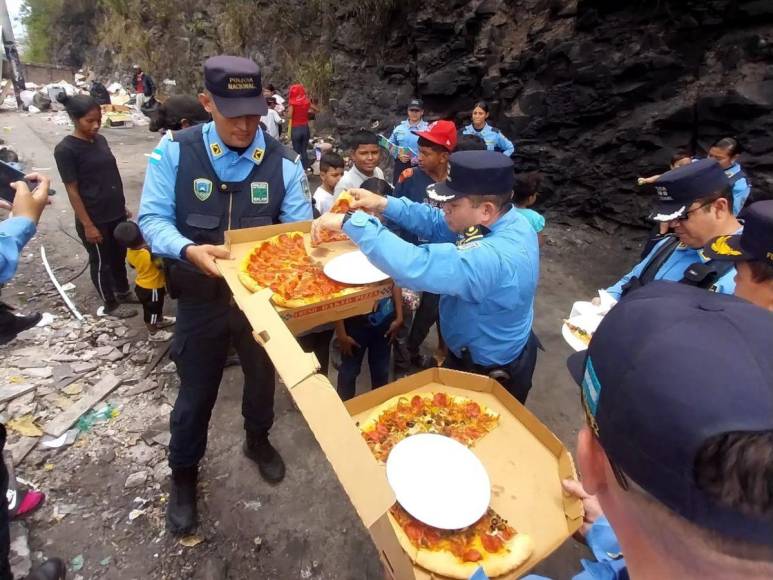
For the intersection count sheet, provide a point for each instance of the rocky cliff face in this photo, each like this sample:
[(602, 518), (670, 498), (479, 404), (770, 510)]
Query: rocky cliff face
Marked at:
[(594, 92)]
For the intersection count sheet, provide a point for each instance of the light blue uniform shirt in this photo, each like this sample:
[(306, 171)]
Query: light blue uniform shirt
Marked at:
[(402, 136), (609, 564), (673, 269), (15, 232), (487, 286), (157, 206), (536, 220), (495, 140), (741, 188)]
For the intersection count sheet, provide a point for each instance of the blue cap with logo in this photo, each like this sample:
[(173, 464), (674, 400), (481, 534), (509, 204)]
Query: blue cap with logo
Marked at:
[(679, 188), (474, 173), (415, 105), (235, 85), (670, 368), (754, 243)]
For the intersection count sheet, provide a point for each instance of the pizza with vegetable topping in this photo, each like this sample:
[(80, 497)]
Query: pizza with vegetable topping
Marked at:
[(454, 416), (490, 543), (282, 264)]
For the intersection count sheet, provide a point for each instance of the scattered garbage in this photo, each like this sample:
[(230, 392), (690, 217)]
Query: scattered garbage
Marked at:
[(77, 563), (25, 425), (191, 541), (105, 413), (46, 319), (63, 440)]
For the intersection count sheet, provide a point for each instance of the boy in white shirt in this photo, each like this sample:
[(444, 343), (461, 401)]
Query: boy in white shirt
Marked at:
[(366, 155), (331, 169)]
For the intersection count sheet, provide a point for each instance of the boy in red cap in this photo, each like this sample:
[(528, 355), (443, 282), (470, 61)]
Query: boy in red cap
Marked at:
[(435, 146)]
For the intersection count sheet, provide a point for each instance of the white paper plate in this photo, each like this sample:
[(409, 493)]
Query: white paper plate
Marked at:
[(438, 481), (353, 268)]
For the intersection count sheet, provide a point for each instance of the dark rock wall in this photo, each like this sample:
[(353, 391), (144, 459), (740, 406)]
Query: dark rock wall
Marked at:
[(594, 92)]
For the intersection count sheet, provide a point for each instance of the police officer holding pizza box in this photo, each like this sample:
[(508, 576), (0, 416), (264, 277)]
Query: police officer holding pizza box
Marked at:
[(201, 181), (482, 258)]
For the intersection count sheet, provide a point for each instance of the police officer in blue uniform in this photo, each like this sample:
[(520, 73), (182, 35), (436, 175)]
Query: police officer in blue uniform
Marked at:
[(752, 253), (482, 258), (725, 152), (696, 201), (404, 135), (202, 181), (493, 137)]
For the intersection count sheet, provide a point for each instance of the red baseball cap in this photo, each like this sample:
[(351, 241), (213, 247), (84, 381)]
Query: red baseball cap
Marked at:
[(442, 133)]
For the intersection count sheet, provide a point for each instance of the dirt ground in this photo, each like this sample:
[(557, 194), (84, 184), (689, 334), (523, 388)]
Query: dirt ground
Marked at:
[(303, 528)]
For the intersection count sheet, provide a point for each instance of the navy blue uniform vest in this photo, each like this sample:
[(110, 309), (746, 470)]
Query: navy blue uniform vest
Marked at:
[(206, 206)]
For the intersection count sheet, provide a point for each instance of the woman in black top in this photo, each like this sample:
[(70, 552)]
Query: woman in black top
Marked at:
[(90, 175)]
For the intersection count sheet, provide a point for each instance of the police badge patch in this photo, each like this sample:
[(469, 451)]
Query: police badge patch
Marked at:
[(259, 192), (216, 149), (202, 188), (257, 155)]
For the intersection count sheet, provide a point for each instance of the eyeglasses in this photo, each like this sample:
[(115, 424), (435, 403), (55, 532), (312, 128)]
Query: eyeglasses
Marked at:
[(686, 215)]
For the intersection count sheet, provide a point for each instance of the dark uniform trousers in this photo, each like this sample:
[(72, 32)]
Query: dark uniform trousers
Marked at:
[(208, 321), (203, 335), (516, 376)]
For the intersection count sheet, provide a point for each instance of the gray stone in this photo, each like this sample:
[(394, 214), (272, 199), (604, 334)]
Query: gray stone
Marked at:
[(39, 373), (136, 479)]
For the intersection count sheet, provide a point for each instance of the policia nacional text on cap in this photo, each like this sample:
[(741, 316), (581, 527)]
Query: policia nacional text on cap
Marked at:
[(201, 181), (482, 258)]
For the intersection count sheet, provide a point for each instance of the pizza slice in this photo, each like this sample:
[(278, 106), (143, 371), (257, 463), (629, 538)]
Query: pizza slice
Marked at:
[(282, 264), (491, 543), (579, 333), (454, 416), (342, 205)]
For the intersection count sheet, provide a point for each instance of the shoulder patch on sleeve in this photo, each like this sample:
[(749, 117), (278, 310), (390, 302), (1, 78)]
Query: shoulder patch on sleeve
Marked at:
[(406, 174)]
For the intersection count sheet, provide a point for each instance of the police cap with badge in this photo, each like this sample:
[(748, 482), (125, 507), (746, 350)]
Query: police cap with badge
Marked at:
[(235, 85), (474, 173), (756, 241), (681, 187)]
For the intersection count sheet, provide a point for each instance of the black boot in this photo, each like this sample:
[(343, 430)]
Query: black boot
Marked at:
[(270, 463), (52, 569), (11, 324), (181, 515)]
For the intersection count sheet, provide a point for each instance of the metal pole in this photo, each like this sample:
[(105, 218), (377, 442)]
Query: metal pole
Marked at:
[(11, 52)]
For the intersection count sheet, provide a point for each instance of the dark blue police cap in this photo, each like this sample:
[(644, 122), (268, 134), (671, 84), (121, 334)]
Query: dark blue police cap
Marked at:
[(754, 243), (416, 104), (475, 173), (235, 85), (680, 187), (670, 367)]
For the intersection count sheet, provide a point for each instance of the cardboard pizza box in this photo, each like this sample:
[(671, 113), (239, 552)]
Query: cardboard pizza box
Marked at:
[(299, 320), (524, 459)]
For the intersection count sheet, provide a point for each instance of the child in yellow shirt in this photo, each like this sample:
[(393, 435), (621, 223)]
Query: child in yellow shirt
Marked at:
[(149, 282)]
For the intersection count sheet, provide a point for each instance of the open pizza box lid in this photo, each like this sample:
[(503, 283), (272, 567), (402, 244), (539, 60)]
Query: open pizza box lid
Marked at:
[(524, 459), (299, 320)]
